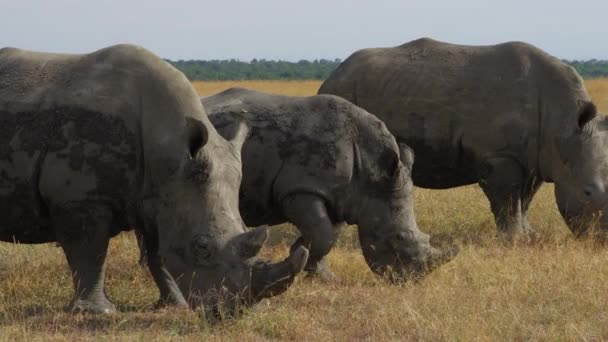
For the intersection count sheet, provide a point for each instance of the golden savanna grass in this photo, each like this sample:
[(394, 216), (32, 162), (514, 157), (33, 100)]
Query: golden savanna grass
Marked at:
[(598, 89), (292, 88), (552, 289)]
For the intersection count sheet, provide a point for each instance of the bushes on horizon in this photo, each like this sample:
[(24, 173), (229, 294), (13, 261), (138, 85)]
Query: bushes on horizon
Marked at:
[(257, 69), (319, 69)]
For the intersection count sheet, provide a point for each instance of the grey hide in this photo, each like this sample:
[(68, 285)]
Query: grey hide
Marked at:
[(95, 144), (318, 161), (508, 117)]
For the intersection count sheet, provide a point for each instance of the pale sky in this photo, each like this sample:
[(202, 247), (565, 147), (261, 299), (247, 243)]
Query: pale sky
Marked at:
[(293, 30)]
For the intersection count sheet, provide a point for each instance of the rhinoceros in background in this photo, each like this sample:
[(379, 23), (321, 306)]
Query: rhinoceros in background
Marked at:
[(508, 117), (318, 161), (94, 144)]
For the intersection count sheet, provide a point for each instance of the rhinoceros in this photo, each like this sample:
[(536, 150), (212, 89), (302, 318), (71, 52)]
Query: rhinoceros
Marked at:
[(319, 161), (93, 144), (508, 117)]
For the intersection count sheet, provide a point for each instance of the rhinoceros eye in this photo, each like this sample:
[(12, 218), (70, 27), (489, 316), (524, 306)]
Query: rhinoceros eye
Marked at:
[(203, 248)]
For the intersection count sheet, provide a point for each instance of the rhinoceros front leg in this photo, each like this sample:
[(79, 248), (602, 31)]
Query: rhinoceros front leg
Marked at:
[(141, 245), (84, 234), (170, 294), (309, 214), (528, 192), (502, 181)]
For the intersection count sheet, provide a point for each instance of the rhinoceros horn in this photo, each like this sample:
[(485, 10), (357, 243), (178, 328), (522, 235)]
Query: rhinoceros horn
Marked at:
[(250, 243), (269, 280)]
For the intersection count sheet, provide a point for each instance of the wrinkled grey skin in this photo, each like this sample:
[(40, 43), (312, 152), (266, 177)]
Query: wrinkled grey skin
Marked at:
[(95, 144), (508, 117), (319, 161)]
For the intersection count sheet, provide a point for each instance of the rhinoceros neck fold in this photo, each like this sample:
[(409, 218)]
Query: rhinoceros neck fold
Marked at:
[(557, 123)]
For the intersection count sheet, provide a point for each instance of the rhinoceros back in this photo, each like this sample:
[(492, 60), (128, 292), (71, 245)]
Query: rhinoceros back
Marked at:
[(455, 104), (68, 135)]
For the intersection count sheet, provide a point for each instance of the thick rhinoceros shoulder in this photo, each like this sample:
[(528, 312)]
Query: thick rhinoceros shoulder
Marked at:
[(121, 78), (136, 60)]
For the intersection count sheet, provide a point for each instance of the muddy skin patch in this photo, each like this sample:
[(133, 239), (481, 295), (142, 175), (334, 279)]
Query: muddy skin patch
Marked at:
[(90, 143), (198, 171), (306, 148)]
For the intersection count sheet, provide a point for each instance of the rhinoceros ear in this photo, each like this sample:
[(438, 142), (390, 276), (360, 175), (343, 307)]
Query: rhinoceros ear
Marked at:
[(587, 112), (240, 132), (196, 135), (406, 155)]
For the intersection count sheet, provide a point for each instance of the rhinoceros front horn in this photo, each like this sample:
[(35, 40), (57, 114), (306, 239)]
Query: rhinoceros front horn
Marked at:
[(269, 280)]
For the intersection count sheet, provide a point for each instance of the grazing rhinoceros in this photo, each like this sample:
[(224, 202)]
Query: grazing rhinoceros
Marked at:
[(93, 144), (508, 117), (318, 161)]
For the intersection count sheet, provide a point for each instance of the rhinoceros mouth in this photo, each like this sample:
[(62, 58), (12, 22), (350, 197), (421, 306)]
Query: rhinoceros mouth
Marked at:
[(266, 280), (269, 280), (585, 223)]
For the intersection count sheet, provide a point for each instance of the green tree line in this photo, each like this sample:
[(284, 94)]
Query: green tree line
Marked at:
[(319, 69), (592, 68), (257, 69)]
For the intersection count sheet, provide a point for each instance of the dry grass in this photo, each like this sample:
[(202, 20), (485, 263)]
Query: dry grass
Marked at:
[(554, 289), (598, 89), (292, 88)]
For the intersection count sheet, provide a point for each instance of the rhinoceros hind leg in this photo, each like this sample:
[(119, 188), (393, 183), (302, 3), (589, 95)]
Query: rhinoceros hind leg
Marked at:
[(309, 214), (84, 234)]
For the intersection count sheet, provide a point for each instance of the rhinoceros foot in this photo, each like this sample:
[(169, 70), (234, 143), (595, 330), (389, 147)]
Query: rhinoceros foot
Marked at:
[(171, 303), (321, 272), (527, 235), (94, 306)]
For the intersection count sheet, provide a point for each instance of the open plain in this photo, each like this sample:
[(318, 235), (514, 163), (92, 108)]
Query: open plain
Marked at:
[(555, 288)]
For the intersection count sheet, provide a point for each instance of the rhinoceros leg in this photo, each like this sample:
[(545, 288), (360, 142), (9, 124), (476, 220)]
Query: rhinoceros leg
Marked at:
[(309, 214), (141, 244), (84, 234), (170, 294), (502, 181), (528, 192)]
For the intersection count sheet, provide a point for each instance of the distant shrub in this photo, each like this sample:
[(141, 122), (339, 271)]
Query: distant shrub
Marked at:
[(319, 69), (592, 68), (257, 69)]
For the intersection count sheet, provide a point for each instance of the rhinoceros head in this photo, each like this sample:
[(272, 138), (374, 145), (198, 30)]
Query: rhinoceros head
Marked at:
[(392, 244), (581, 174), (204, 243)]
